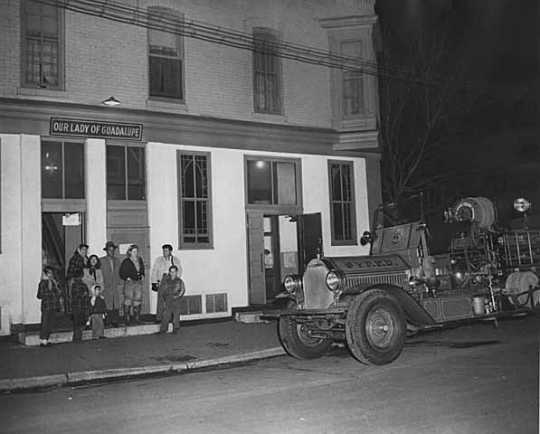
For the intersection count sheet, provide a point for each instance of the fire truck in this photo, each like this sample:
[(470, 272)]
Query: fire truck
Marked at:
[(373, 302)]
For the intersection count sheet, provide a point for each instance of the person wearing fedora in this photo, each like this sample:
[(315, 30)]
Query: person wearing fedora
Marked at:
[(112, 284)]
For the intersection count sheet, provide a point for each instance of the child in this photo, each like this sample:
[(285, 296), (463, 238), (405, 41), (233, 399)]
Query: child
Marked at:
[(171, 290), (97, 313), (79, 307), (49, 294)]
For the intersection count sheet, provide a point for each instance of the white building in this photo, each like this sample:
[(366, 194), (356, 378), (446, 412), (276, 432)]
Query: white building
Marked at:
[(214, 149)]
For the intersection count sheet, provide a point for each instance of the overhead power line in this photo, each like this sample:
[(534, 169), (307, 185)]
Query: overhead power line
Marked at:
[(150, 19)]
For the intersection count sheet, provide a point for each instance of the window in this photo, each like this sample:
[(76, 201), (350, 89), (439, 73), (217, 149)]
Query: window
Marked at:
[(353, 83), (342, 204), (62, 170), (272, 182), (165, 58), (42, 50), (266, 72), (126, 175), (194, 201)]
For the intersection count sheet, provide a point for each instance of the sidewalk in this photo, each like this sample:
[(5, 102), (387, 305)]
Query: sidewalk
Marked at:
[(195, 347)]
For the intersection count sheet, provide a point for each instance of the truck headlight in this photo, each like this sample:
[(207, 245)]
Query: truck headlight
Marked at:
[(292, 282), (333, 281)]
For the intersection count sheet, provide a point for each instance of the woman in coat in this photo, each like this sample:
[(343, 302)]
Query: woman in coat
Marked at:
[(92, 274), (132, 273)]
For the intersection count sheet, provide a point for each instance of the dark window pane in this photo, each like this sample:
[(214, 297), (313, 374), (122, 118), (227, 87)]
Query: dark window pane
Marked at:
[(188, 215), (188, 180), (202, 220), (136, 173), (338, 221), (116, 173), (74, 170), (266, 68), (201, 176), (259, 182), (335, 175), (51, 170), (165, 77)]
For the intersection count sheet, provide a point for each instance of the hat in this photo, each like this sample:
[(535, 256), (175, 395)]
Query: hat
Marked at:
[(109, 244)]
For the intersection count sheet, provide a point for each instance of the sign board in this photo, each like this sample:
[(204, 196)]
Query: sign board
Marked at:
[(73, 219), (93, 128), (123, 248)]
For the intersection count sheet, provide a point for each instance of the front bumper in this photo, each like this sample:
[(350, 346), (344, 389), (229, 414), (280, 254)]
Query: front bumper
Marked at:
[(304, 313)]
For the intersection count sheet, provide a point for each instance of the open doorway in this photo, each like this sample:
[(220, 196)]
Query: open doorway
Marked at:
[(278, 245), (61, 234)]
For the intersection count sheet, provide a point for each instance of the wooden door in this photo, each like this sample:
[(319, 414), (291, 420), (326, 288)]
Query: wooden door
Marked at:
[(255, 248)]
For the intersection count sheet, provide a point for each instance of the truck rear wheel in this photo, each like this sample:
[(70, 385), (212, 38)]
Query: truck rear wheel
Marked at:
[(298, 343), (375, 328)]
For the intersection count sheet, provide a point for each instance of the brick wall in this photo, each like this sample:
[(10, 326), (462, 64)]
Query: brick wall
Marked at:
[(104, 58)]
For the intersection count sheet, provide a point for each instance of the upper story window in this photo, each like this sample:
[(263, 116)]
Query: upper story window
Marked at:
[(194, 200), (62, 170), (272, 182), (342, 203), (42, 45), (266, 72), (353, 83), (165, 59), (126, 174)]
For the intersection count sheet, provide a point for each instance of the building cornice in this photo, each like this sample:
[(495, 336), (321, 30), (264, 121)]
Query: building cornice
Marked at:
[(22, 116), (348, 21)]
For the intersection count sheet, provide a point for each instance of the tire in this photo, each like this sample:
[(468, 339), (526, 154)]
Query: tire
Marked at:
[(297, 343), (375, 328)]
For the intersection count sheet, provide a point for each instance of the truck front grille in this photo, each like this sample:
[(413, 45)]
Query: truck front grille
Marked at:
[(363, 281)]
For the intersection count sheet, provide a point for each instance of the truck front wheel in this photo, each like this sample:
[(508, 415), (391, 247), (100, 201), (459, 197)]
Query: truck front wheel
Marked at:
[(297, 341), (375, 327)]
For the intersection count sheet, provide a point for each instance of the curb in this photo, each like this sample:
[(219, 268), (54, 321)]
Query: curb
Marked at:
[(72, 378)]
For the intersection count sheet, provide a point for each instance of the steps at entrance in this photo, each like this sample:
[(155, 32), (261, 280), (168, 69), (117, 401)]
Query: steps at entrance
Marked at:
[(32, 338)]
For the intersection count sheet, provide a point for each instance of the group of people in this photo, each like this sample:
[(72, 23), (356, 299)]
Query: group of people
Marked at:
[(108, 289)]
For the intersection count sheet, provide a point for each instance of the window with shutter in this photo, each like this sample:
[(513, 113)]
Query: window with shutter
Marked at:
[(266, 72)]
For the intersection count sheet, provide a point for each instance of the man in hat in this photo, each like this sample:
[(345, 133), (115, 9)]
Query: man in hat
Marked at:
[(161, 268), (112, 284)]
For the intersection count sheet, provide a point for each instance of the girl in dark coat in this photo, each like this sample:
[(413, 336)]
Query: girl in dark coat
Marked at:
[(49, 294), (79, 307)]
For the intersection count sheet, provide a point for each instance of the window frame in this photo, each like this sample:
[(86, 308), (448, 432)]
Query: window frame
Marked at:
[(353, 241), (182, 245), (262, 33), (61, 51), (275, 208), (181, 57), (126, 172), (63, 142)]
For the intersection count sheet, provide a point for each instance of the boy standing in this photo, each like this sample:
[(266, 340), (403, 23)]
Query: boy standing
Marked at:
[(49, 294), (97, 313), (171, 291)]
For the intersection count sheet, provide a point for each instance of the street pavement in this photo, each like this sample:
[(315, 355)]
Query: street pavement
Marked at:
[(475, 379)]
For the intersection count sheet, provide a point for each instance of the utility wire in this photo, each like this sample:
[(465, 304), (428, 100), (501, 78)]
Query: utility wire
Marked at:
[(154, 19)]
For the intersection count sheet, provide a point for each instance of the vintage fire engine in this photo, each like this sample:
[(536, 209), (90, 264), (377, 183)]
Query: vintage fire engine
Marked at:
[(373, 302)]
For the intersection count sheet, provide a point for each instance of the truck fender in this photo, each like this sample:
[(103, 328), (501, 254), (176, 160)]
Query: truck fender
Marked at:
[(414, 312)]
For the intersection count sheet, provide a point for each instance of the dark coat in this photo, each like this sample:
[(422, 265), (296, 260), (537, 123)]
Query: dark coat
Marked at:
[(112, 284), (79, 298), (171, 290), (128, 270), (76, 266), (49, 294), (99, 306)]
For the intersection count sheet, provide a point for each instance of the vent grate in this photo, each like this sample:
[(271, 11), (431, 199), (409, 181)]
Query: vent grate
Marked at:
[(191, 305), (216, 303)]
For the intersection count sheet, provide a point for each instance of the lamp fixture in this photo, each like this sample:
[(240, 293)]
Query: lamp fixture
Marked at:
[(111, 102)]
